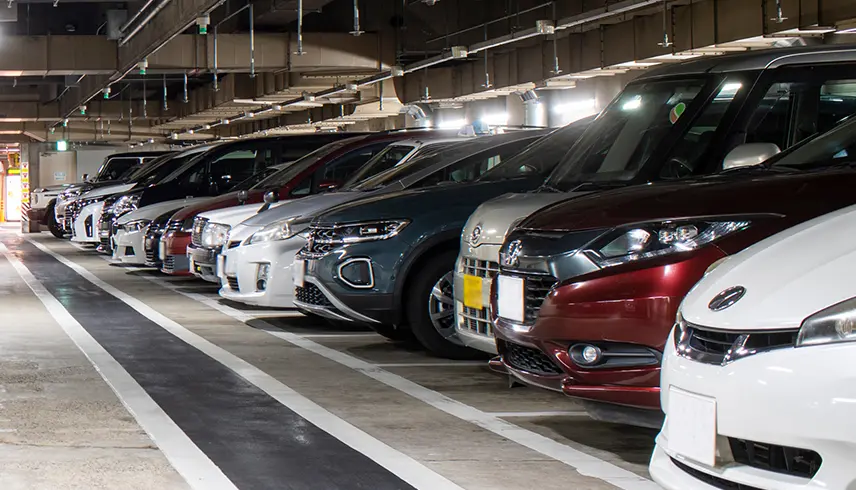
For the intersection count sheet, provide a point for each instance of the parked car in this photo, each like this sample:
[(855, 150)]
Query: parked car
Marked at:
[(588, 288), (116, 167), (387, 260), (256, 266), (670, 123), (211, 228), (754, 380), (80, 214), (322, 171)]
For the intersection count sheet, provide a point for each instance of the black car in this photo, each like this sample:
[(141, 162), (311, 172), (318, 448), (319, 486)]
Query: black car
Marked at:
[(387, 260)]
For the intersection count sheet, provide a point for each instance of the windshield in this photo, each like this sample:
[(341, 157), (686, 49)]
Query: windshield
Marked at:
[(286, 175), (425, 157), (626, 133), (833, 148), (387, 158), (540, 157), (158, 170), (116, 167), (257, 177)]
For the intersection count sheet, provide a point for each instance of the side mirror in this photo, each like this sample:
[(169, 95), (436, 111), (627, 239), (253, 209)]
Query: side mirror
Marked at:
[(243, 196), (329, 185), (749, 154), (271, 197)]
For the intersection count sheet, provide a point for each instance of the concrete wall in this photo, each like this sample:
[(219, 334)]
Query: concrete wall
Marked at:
[(57, 167), (89, 160)]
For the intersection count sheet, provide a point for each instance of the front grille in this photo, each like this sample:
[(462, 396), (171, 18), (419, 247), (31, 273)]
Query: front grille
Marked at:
[(536, 289), (719, 346), (480, 268), (310, 294), (169, 263), (778, 459), (151, 244), (233, 283), (196, 234), (477, 321), (711, 480), (174, 225), (529, 359), (106, 244)]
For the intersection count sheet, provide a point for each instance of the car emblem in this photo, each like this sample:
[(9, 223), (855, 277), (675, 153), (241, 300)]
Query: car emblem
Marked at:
[(475, 236), (512, 256), (726, 298)]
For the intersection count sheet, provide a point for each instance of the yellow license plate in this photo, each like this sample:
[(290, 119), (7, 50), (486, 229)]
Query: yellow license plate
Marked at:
[(473, 292)]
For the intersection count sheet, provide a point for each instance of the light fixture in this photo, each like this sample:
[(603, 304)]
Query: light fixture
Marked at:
[(65, 123), (190, 131), (225, 121), (151, 140), (61, 145), (83, 110), (106, 92), (202, 22), (143, 65), (498, 119), (452, 124)]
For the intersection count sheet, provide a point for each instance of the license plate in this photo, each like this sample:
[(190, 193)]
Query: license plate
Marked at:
[(221, 266), (299, 269), (692, 426), (161, 251), (510, 298), (473, 292)]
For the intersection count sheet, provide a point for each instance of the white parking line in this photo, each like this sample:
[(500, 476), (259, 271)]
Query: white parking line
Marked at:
[(405, 467), (584, 463), (187, 459), (548, 413), (426, 364)]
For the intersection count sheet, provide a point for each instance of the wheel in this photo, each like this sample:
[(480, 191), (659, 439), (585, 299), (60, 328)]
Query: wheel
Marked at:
[(431, 309), (53, 226)]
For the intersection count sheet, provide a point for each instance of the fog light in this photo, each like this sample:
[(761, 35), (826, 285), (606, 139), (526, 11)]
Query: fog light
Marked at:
[(586, 354), (262, 276), (357, 273)]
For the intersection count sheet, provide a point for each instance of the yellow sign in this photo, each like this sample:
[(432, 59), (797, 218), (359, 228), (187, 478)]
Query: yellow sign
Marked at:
[(473, 292)]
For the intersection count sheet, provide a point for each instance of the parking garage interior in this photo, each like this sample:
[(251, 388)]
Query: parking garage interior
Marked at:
[(120, 369)]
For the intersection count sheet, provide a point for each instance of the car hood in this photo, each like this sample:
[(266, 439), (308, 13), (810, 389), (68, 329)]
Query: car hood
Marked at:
[(495, 217), (107, 190), (234, 215), (787, 277), (152, 211), (305, 207), (227, 200), (452, 198), (803, 196)]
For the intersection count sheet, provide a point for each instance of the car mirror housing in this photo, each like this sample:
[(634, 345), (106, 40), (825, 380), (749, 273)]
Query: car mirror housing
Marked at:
[(749, 154)]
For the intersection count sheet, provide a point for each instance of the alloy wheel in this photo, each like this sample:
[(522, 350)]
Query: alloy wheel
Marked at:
[(441, 307)]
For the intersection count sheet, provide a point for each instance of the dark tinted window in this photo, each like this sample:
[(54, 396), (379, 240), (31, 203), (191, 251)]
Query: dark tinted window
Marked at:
[(380, 162), (342, 168), (237, 166), (473, 167)]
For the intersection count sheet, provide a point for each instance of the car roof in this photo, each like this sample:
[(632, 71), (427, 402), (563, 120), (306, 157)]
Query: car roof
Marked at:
[(755, 60)]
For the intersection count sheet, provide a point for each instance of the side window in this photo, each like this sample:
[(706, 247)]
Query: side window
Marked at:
[(304, 187), (338, 171), (237, 166), (689, 150), (770, 120), (837, 101), (472, 167)]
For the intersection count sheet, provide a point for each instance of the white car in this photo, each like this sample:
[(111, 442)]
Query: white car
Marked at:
[(774, 410), (85, 228), (128, 241), (88, 207)]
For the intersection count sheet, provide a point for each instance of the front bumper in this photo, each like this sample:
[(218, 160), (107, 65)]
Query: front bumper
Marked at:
[(129, 247), (239, 273), (327, 295), (85, 226), (791, 397), (627, 315), (202, 262), (174, 259), (472, 324)]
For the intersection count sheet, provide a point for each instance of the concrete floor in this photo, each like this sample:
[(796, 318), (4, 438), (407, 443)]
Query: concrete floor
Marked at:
[(207, 394)]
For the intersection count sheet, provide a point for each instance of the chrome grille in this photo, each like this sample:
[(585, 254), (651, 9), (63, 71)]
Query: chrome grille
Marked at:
[(174, 225), (536, 289), (712, 346), (168, 264), (196, 234), (477, 321), (480, 268)]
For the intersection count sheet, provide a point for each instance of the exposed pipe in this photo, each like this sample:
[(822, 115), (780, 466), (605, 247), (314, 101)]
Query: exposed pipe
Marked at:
[(165, 103), (184, 94), (666, 43), (145, 112), (356, 31), (252, 45), (556, 70), (299, 28), (136, 15), (778, 19), (143, 22), (216, 82), (485, 24)]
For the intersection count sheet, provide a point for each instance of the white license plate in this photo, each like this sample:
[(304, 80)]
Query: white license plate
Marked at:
[(299, 271), (692, 426), (161, 251), (221, 266), (510, 298)]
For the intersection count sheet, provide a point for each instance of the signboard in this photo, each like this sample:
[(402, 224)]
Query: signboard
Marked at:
[(13, 197), (59, 176)]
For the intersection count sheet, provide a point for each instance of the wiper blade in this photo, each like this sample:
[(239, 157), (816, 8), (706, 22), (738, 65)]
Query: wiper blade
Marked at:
[(598, 186), (549, 188)]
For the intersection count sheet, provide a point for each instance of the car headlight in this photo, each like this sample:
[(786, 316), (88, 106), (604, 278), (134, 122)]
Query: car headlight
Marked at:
[(658, 239), (829, 326), (126, 204), (136, 225), (70, 194), (366, 231), (280, 230), (214, 235)]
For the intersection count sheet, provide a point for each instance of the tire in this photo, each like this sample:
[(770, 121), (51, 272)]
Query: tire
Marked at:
[(53, 226), (437, 336)]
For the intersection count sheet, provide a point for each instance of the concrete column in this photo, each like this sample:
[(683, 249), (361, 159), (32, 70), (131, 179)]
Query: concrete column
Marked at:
[(516, 110), (536, 113)]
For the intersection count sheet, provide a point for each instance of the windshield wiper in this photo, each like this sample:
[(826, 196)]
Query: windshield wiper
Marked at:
[(548, 188), (597, 186)]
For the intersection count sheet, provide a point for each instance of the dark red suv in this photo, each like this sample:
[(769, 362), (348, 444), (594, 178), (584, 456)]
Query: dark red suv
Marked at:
[(589, 288)]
